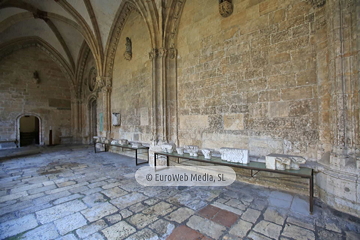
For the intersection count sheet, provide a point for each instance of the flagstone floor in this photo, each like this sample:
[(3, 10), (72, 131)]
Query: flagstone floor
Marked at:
[(69, 192)]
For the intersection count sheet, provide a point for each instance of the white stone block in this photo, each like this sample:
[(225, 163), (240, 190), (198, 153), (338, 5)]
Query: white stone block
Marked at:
[(283, 161), (235, 155), (115, 119), (207, 153), (270, 162)]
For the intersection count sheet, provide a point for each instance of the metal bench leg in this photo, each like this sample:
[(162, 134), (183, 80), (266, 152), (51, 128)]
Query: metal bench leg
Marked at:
[(311, 197)]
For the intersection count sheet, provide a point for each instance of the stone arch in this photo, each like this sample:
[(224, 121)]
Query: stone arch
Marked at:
[(41, 126), (126, 8), (172, 26), (26, 42)]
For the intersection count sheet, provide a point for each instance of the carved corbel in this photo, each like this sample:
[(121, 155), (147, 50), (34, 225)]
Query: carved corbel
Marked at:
[(172, 53), (153, 54), (162, 52)]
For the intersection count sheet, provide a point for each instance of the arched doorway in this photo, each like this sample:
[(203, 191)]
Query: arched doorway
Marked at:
[(29, 130), (92, 119)]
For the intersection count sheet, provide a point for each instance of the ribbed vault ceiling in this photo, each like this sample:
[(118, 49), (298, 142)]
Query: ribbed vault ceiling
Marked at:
[(63, 24)]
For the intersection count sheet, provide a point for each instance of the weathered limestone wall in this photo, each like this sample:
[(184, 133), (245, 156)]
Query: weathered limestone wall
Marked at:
[(131, 85), (275, 76), (20, 95), (249, 80)]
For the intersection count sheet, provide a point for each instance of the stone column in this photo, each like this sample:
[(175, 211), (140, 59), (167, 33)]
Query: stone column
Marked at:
[(158, 57), (343, 55), (103, 86), (172, 110)]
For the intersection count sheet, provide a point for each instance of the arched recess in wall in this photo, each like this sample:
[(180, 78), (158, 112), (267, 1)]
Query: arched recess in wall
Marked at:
[(26, 42), (148, 12), (132, 87), (40, 127)]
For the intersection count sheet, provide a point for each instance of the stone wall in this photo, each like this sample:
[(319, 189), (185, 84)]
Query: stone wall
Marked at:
[(250, 80), (49, 99), (131, 85)]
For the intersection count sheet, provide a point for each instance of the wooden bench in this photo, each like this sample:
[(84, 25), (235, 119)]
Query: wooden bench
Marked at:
[(303, 172)]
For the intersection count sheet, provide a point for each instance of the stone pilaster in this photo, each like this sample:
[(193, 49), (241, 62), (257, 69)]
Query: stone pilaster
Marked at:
[(103, 86), (344, 97)]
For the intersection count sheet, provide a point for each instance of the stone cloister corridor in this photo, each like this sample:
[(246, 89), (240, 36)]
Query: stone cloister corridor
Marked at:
[(267, 89), (69, 192)]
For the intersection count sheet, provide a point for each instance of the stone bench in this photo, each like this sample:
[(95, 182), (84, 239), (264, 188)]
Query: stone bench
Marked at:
[(8, 143)]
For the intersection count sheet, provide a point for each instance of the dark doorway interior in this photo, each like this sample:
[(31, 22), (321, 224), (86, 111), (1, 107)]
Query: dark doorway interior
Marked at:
[(29, 131)]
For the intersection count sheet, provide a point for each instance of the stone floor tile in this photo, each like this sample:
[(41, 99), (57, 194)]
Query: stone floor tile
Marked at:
[(326, 234), (91, 191), (180, 215), (208, 212), (241, 228), (128, 200), (126, 213), (59, 211), (138, 207), (279, 203), (70, 223), (90, 229), (332, 227), (44, 232), (27, 187), (65, 184), (268, 229), (141, 220), (281, 195), (227, 208), (48, 198), (251, 215), (114, 192), (299, 233), (110, 185), (256, 236), (13, 196), (78, 189), (99, 211), (114, 218), (185, 233), (225, 218), (236, 204), (160, 209), (301, 223), (97, 184), (275, 215), (145, 234), (300, 206), (162, 228), (352, 235), (206, 227), (151, 201), (119, 230), (94, 199), (95, 236), (16, 226), (68, 237), (68, 198), (231, 237)]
